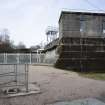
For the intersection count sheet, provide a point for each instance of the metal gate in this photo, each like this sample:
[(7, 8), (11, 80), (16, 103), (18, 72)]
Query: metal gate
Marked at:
[(14, 75)]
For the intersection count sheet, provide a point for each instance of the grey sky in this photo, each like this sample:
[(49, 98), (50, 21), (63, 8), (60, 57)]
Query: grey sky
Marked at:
[(27, 20)]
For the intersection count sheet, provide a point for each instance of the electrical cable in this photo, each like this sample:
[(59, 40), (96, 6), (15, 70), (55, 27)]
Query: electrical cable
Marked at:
[(94, 6)]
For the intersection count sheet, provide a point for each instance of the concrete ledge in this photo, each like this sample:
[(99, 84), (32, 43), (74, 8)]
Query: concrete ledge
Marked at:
[(33, 89), (42, 64)]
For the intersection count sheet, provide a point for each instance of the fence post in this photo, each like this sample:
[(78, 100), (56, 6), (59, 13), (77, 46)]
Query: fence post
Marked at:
[(30, 58), (18, 58), (15, 73), (6, 58), (26, 77), (37, 57)]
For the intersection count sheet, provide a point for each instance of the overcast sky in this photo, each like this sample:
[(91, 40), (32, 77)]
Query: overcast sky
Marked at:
[(27, 20)]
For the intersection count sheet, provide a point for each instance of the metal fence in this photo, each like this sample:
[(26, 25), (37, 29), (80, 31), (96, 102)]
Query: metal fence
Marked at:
[(21, 58), (14, 76), (14, 69)]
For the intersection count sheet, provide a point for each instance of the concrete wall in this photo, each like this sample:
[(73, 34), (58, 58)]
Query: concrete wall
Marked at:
[(70, 24), (51, 56)]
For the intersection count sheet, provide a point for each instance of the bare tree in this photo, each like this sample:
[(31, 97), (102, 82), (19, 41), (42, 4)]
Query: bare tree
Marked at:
[(4, 35), (21, 45)]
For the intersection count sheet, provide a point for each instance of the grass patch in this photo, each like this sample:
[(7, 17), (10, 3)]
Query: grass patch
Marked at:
[(96, 76)]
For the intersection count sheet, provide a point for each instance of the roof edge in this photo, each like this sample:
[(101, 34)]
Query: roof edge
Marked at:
[(96, 13)]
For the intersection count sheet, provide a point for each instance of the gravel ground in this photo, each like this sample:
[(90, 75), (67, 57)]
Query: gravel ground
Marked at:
[(58, 85)]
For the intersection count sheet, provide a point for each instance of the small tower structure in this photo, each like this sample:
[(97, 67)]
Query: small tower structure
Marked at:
[(51, 34)]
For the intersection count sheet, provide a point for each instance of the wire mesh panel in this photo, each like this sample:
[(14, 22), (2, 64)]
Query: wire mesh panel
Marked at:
[(14, 75), (6, 74), (24, 58), (2, 58), (37, 58), (41, 58), (12, 58), (34, 58), (21, 58)]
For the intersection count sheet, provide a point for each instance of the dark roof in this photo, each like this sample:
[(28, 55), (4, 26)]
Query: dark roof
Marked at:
[(83, 13)]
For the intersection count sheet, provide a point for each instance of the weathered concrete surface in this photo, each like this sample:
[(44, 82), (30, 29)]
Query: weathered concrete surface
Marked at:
[(51, 56), (58, 85)]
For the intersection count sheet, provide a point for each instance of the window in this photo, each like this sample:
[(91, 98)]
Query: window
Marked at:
[(82, 25), (103, 27)]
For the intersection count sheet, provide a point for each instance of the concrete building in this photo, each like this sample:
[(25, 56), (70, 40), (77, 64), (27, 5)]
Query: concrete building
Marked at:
[(82, 41), (81, 44)]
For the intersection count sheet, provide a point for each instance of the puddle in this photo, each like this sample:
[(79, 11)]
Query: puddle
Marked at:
[(87, 101)]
